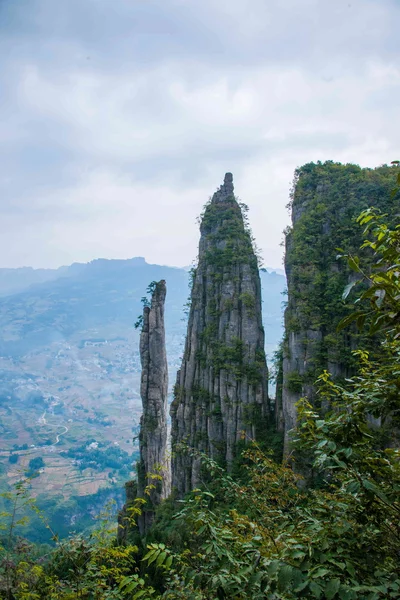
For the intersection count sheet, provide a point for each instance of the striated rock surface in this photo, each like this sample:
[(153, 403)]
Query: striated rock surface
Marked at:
[(154, 394), (221, 394), (153, 467), (326, 199)]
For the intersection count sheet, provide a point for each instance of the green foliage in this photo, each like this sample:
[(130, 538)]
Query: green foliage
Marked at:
[(269, 538), (262, 534), (294, 382), (139, 322), (382, 281), (249, 303), (79, 567), (229, 235), (146, 302), (75, 514), (326, 200), (35, 464)]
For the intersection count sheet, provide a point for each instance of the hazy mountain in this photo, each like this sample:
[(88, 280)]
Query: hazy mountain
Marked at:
[(56, 304), (70, 367)]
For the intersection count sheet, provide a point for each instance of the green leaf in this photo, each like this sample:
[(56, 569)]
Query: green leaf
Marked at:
[(273, 567), (350, 568), (353, 487), (348, 289), (147, 556), (124, 582), (332, 588), (140, 594), (320, 572), (315, 589), (301, 586), (160, 559), (297, 578), (360, 321), (153, 556), (354, 263), (168, 562), (368, 485), (285, 576), (346, 593), (348, 320)]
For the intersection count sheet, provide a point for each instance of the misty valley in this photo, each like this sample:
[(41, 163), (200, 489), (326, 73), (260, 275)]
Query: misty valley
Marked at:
[(70, 378)]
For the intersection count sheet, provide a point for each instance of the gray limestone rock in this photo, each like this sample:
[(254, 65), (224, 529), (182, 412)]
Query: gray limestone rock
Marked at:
[(221, 395), (154, 462), (153, 469)]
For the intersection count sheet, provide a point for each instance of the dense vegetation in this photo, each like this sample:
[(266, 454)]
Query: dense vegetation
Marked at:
[(264, 535), (326, 199), (35, 464)]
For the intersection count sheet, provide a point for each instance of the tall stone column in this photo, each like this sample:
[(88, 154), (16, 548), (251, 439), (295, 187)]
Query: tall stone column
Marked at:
[(221, 396), (154, 461)]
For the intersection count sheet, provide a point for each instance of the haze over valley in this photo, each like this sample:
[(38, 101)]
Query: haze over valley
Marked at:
[(70, 369)]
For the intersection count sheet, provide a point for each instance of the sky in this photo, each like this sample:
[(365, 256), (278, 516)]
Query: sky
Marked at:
[(119, 119)]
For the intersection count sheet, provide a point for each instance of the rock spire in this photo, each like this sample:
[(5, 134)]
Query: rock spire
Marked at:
[(221, 396), (154, 393)]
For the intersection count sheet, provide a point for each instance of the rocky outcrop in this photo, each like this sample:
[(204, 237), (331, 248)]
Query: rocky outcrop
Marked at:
[(153, 482), (153, 466), (221, 395), (326, 199)]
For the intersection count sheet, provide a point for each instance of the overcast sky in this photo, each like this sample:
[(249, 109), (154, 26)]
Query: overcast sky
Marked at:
[(119, 118)]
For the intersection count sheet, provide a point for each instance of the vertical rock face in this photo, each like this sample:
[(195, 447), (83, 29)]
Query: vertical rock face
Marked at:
[(221, 394), (326, 199), (154, 393)]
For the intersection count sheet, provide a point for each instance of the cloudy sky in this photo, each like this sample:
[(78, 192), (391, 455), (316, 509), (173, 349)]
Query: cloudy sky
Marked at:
[(119, 118)]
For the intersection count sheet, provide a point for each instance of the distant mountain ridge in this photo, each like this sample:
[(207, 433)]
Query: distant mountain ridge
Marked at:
[(70, 366), (93, 294), (14, 280)]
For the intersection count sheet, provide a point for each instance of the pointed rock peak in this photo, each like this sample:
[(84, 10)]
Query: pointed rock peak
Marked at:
[(228, 179), (221, 395), (225, 192)]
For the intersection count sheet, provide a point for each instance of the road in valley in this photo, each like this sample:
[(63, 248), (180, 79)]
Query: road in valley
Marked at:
[(60, 434)]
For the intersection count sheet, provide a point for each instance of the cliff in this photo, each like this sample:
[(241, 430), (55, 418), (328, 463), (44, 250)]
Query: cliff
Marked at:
[(326, 199), (221, 394)]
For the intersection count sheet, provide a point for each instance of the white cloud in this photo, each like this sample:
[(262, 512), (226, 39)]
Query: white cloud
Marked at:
[(115, 158)]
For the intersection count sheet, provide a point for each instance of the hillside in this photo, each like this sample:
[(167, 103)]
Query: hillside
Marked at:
[(70, 370)]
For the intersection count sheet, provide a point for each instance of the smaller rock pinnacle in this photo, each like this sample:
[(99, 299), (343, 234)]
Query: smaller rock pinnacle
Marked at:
[(153, 423)]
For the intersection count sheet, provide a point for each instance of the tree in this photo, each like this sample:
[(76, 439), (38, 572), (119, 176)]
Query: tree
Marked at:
[(34, 465)]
